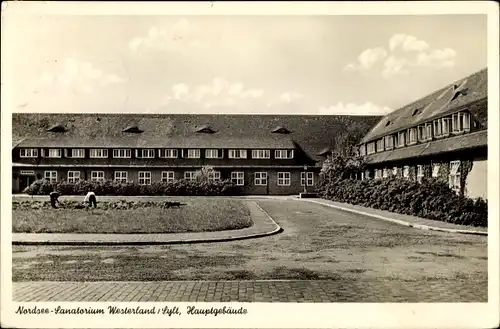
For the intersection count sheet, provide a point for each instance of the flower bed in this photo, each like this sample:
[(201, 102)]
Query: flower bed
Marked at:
[(430, 199)]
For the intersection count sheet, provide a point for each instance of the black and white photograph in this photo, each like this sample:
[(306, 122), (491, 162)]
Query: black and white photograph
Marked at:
[(208, 163)]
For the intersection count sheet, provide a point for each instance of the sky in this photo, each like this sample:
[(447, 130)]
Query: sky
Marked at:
[(356, 65)]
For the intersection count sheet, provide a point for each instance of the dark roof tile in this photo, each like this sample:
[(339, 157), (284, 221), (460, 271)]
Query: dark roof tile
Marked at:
[(442, 102)]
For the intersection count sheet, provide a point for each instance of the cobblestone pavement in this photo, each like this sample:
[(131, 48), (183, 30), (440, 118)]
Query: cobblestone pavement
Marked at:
[(253, 291)]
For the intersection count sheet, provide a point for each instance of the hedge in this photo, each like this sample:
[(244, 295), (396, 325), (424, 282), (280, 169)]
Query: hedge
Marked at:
[(180, 187), (430, 199)]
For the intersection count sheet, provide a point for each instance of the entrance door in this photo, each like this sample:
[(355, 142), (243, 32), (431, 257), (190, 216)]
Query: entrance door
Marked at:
[(25, 180)]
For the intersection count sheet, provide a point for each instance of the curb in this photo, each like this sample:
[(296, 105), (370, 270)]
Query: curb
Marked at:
[(398, 221), (277, 229)]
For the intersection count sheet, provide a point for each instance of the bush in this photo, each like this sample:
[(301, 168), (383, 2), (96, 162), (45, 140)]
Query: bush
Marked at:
[(180, 188), (430, 199)]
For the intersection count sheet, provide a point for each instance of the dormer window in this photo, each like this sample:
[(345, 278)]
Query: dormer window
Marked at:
[(370, 148), (380, 145), (325, 152), (416, 111), (145, 153), (283, 154), (29, 153), (388, 123), (412, 136), (389, 142), (281, 130), (132, 129), (401, 139), (57, 128), (205, 129)]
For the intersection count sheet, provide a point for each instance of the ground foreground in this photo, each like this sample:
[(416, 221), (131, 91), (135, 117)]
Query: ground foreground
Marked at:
[(348, 257), (194, 215)]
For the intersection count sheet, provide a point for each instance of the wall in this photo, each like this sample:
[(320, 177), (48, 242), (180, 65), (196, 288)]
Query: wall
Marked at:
[(249, 188), (477, 179)]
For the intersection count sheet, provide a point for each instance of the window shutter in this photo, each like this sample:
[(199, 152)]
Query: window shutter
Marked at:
[(220, 153), (65, 153), (43, 153), (136, 153)]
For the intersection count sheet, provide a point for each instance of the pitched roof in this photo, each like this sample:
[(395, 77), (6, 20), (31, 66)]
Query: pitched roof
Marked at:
[(311, 133), (457, 143), (469, 90)]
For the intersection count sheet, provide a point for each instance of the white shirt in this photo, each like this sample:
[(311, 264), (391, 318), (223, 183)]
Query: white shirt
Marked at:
[(87, 197)]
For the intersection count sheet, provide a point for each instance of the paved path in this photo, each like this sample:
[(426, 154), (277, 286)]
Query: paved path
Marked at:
[(406, 220), (253, 291), (263, 225)]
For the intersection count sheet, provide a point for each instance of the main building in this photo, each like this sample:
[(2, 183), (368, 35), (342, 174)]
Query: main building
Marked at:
[(264, 154)]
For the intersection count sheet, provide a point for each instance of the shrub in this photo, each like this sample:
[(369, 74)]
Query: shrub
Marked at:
[(431, 199), (181, 187)]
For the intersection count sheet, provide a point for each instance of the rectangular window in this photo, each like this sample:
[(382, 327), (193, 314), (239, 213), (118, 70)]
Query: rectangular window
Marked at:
[(144, 177), (370, 148), (438, 128), (238, 177), (406, 172), (454, 177), (362, 150), (420, 173), (167, 176), (284, 179), (99, 153), (193, 153), (54, 153), (466, 121), (51, 176), (73, 176), (168, 153), (422, 133), (446, 123), (29, 153), (28, 172), (121, 176), (237, 154), (213, 154), (428, 133), (385, 173), (261, 178), (411, 136), (78, 153), (380, 145), (122, 153), (97, 176), (389, 142), (190, 175), (261, 154), (310, 178), (435, 170), (214, 176), (394, 171), (283, 154), (401, 139), (378, 174), (145, 153)]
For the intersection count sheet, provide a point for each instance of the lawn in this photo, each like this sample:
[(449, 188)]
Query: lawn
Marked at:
[(197, 214)]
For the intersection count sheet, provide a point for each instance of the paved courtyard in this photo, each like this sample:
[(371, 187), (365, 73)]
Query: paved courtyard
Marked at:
[(322, 255)]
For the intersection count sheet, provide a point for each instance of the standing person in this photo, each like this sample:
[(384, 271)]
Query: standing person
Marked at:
[(54, 197), (90, 199)]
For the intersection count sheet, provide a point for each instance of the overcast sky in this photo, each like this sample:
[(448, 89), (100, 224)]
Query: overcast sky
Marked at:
[(237, 64)]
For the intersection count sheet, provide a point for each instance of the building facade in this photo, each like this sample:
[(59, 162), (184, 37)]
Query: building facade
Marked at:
[(443, 135), (278, 155)]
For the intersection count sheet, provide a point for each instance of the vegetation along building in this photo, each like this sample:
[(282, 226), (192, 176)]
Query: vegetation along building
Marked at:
[(443, 135), (265, 154)]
